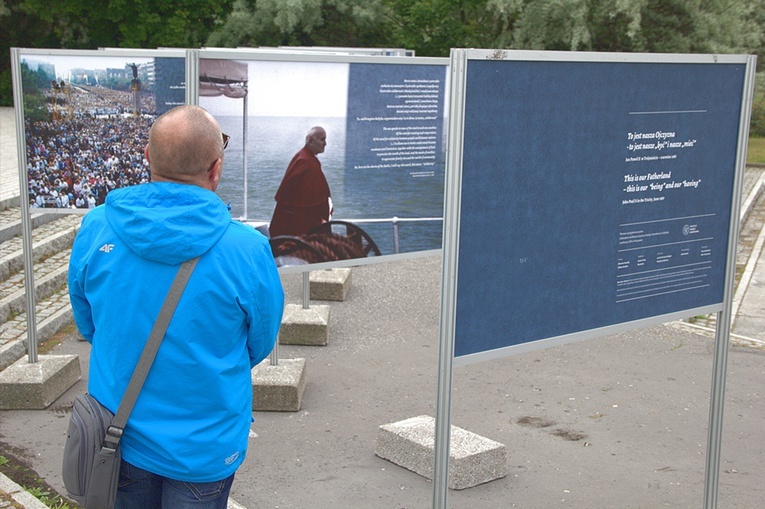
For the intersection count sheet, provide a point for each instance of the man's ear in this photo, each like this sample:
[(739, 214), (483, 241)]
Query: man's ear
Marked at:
[(213, 176), (146, 152)]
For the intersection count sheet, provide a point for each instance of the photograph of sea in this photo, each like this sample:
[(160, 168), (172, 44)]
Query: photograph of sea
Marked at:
[(384, 159)]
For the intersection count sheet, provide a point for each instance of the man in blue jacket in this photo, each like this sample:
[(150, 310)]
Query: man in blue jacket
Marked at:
[(188, 431)]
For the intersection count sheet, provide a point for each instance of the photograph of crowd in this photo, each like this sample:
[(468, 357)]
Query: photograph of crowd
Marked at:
[(86, 122)]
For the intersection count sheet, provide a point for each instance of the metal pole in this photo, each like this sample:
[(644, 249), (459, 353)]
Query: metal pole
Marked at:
[(306, 289), (450, 259), (395, 235), (724, 318), (716, 410), (192, 76), (442, 435), (245, 124), (26, 222), (273, 357)]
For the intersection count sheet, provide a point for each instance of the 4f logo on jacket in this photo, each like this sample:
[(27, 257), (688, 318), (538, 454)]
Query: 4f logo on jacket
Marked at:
[(106, 248)]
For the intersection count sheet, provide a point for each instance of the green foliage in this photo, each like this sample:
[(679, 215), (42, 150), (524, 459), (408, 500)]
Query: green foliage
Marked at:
[(31, 482), (6, 88), (119, 83), (345, 23), (128, 23), (432, 27), (51, 501), (93, 24), (429, 27), (756, 150), (757, 125), (549, 25), (36, 80), (656, 26), (34, 84)]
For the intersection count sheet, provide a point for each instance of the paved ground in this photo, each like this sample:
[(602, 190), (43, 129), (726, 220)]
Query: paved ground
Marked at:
[(618, 422), (615, 422)]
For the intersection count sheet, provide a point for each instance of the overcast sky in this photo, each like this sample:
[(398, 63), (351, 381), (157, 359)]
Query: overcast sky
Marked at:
[(289, 89)]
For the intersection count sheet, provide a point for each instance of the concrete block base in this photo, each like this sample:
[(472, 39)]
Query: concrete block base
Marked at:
[(34, 386), (330, 284), (302, 326), (278, 388), (473, 459)]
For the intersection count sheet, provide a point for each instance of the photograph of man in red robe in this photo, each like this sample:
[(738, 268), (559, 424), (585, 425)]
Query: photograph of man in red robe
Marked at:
[(303, 199)]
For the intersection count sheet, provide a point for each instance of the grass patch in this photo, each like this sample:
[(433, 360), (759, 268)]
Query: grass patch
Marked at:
[(22, 474), (756, 151), (16, 468), (48, 345), (697, 318)]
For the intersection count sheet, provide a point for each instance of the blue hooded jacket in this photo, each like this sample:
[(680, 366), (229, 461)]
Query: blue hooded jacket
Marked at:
[(192, 418)]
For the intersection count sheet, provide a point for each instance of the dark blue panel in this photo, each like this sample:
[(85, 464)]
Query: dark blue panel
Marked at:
[(170, 87), (593, 194), (394, 151)]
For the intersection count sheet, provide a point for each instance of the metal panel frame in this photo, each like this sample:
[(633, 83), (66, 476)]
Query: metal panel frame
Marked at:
[(450, 256), (26, 223), (293, 55)]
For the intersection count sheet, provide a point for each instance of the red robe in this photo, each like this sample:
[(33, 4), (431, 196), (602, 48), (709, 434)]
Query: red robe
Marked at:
[(302, 200)]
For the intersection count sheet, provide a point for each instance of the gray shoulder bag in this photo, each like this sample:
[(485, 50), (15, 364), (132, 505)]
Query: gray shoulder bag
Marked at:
[(92, 454)]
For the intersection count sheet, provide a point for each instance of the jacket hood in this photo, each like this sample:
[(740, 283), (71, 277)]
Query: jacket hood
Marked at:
[(167, 222)]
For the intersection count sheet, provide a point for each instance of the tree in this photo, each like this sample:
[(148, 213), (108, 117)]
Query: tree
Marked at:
[(92, 24), (35, 83), (346, 23), (430, 27), (128, 24), (655, 26), (18, 29)]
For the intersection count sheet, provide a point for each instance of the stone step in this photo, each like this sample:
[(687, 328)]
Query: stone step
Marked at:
[(50, 277), (51, 315), (52, 239), (10, 221), (47, 240)]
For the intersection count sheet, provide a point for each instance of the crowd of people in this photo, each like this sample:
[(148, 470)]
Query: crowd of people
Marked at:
[(95, 144)]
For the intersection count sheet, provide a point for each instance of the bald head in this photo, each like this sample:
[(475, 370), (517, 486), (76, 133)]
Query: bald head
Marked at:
[(316, 140), (183, 143)]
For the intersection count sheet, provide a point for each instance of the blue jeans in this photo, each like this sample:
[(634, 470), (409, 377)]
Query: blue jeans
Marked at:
[(139, 489)]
